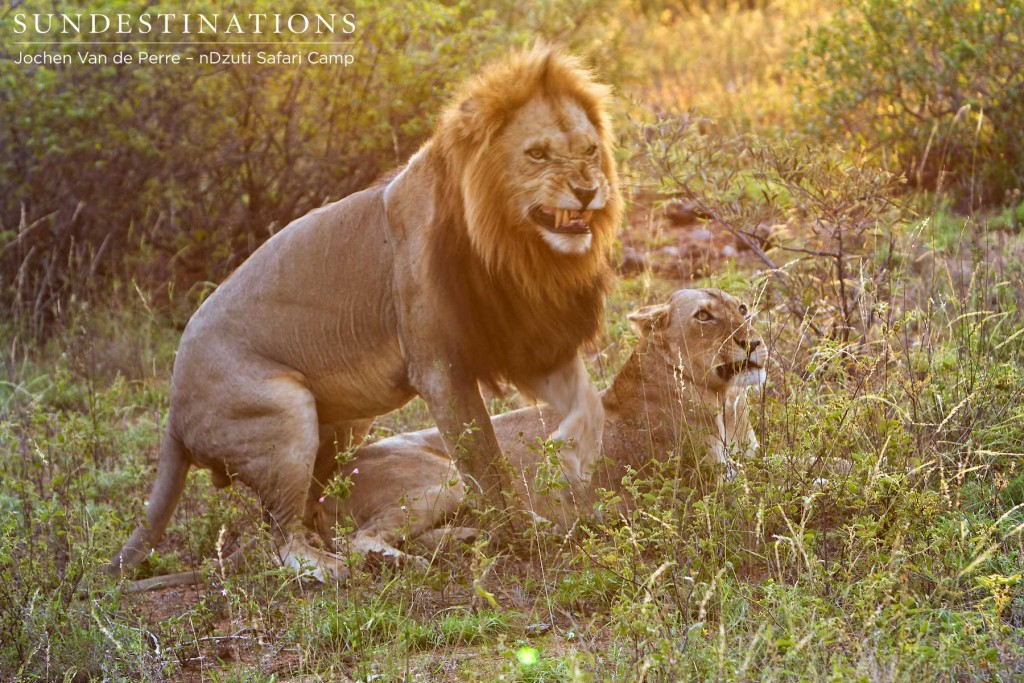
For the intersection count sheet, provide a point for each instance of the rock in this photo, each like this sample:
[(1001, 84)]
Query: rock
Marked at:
[(683, 213), (632, 262)]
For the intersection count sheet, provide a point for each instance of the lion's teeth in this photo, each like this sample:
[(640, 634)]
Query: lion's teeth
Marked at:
[(561, 217), (587, 215)]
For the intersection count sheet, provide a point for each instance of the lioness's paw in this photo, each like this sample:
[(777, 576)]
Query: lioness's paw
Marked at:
[(308, 562), (395, 558), (729, 470)]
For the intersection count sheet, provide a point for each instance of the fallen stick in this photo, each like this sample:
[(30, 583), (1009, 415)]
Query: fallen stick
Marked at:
[(192, 577)]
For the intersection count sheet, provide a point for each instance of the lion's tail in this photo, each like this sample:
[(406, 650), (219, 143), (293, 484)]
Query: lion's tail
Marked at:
[(170, 481)]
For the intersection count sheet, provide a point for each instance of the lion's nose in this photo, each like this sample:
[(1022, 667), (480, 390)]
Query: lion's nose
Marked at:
[(585, 195)]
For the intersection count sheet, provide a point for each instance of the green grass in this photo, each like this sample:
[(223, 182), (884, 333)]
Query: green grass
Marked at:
[(876, 537)]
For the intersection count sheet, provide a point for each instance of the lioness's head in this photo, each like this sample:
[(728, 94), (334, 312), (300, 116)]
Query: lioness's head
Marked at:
[(530, 141), (707, 334)]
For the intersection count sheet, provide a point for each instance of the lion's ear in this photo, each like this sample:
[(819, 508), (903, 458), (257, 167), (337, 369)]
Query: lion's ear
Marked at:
[(475, 124), (467, 117), (650, 318)]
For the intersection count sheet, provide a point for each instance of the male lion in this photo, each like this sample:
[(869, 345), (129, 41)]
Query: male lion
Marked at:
[(683, 388), (484, 259)]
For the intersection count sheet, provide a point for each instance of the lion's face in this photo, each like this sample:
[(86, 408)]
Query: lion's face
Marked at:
[(708, 333), (530, 146), (553, 152)]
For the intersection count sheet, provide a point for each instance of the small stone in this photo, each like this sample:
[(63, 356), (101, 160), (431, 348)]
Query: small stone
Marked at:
[(683, 213), (632, 262), (538, 629)]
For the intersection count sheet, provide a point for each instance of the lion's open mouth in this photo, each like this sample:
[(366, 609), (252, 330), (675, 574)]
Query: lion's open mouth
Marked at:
[(726, 371), (563, 221)]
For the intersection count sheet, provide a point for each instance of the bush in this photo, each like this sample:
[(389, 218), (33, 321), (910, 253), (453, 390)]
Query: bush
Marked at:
[(823, 222), (937, 87), (177, 173), (201, 162)]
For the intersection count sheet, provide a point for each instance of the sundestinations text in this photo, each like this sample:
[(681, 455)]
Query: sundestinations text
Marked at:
[(183, 23)]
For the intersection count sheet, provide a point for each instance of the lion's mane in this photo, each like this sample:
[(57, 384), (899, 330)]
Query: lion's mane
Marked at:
[(512, 286)]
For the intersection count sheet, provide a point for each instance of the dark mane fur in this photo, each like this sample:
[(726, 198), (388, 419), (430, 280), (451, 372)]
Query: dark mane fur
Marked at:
[(508, 334)]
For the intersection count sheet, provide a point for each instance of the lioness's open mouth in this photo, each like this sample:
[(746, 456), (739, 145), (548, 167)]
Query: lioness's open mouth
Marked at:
[(729, 370), (563, 221)]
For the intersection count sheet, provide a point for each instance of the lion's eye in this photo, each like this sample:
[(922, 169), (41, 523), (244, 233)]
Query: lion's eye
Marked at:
[(592, 150), (743, 310), (703, 316), (537, 153)]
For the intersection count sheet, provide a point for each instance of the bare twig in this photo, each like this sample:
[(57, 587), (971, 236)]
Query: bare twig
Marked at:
[(188, 578)]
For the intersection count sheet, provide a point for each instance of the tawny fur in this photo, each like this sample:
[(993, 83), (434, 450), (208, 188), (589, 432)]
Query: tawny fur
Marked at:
[(441, 278), (682, 390)]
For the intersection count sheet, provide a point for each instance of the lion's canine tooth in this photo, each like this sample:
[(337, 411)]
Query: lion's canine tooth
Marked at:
[(587, 215), (560, 217)]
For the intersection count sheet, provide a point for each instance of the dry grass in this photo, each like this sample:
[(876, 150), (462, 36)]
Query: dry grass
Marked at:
[(729, 63)]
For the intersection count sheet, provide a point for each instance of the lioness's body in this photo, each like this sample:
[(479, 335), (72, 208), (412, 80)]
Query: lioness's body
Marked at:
[(484, 258), (682, 390)]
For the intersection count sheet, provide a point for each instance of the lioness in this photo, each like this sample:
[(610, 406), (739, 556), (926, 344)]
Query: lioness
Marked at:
[(683, 386), (484, 259)]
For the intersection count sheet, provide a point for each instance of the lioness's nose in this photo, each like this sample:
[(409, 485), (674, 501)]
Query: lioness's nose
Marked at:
[(749, 345), (585, 195)]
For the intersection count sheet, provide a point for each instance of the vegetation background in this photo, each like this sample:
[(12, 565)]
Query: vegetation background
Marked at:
[(851, 167)]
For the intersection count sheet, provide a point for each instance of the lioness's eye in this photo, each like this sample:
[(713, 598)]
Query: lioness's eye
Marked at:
[(703, 316), (743, 310), (592, 150), (536, 153)]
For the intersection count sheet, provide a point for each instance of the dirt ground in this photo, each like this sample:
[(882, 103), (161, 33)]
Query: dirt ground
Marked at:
[(676, 242)]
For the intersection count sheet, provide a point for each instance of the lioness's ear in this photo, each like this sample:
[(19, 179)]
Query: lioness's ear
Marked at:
[(650, 318)]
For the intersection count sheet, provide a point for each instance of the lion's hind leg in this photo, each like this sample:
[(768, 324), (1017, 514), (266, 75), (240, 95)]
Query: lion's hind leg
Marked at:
[(277, 458)]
